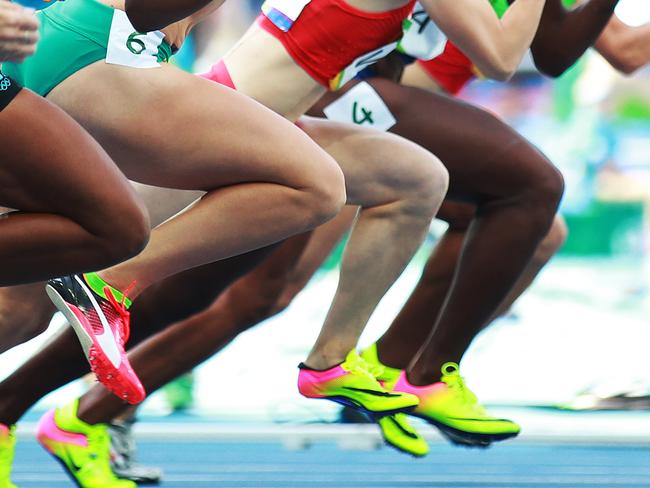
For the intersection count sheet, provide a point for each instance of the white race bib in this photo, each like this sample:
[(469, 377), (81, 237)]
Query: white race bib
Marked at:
[(283, 13), (128, 47), (361, 105), (360, 64), (422, 39)]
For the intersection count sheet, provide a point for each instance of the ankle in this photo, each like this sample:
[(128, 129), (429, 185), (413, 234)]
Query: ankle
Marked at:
[(9, 414), (86, 413), (321, 362), (422, 376), (128, 286), (390, 356)]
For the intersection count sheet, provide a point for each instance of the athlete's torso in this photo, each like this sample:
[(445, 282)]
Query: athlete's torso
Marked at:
[(263, 67)]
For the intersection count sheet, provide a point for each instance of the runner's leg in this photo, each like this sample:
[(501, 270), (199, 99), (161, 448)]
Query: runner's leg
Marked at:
[(77, 211)]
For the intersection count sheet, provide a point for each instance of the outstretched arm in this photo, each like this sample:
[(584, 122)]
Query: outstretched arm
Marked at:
[(625, 47), (564, 35), (150, 15), (496, 46)]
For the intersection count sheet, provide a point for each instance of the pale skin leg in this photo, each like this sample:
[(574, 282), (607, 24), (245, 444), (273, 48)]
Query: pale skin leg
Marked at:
[(400, 187), (266, 180)]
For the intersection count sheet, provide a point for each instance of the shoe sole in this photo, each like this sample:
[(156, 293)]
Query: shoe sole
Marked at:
[(460, 441), (98, 366), (470, 439), (375, 419), (63, 465), (63, 307), (402, 450), (141, 481), (348, 402)]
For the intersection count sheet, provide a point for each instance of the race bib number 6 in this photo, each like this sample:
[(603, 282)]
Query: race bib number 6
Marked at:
[(126, 47)]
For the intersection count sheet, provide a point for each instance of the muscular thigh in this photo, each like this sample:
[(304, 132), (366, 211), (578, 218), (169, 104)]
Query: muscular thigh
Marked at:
[(48, 163), (165, 127), (377, 165), (484, 156)]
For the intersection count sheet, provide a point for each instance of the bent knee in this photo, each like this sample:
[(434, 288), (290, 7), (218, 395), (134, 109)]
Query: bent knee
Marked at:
[(458, 215), (550, 187), (427, 183), (281, 303), (127, 234), (325, 195), (554, 240)]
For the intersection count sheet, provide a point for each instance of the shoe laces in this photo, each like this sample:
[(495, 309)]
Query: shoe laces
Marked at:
[(451, 376), (358, 365), (120, 308), (98, 453)]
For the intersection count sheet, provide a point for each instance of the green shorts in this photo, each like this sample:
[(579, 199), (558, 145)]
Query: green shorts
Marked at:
[(77, 33)]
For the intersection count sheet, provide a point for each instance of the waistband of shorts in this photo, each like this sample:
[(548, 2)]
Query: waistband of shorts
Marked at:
[(90, 18)]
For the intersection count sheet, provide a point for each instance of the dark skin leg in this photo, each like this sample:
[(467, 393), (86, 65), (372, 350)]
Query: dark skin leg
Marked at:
[(551, 244), (397, 346), (59, 362), (412, 325), (25, 312), (77, 212), (516, 191)]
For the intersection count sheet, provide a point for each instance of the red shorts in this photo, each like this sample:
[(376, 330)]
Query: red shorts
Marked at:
[(329, 35), (452, 70)]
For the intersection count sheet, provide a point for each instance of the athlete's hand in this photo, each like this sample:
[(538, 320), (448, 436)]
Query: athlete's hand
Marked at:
[(18, 32)]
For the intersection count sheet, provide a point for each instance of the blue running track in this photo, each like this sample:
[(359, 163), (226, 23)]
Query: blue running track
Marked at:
[(199, 464)]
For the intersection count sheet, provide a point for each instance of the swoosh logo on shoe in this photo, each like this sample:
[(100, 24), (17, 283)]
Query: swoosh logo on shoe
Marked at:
[(106, 339), (72, 465), (385, 394), (407, 433)]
